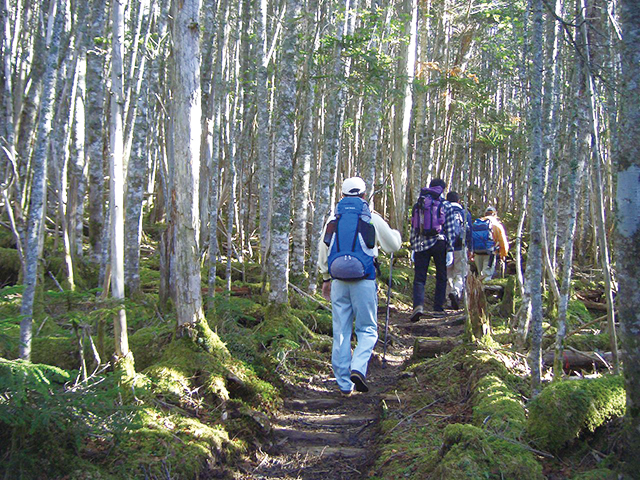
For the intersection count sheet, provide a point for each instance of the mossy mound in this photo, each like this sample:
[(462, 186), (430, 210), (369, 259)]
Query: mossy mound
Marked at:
[(148, 343), (564, 409), (498, 407), (190, 373), (190, 449), (281, 329), (469, 452)]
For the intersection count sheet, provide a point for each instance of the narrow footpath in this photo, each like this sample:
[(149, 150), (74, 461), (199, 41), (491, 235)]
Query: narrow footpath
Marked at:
[(319, 434)]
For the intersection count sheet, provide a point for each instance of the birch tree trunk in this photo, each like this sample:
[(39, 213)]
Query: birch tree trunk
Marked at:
[(212, 150), (136, 180), (572, 181), (534, 255), (334, 117), (186, 144), (93, 132), (124, 357), (628, 225), (283, 160), (37, 206), (262, 132), (403, 108), (302, 169), (600, 215)]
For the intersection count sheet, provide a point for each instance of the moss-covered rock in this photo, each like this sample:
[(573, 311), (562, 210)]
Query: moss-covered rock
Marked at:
[(467, 452), (564, 409)]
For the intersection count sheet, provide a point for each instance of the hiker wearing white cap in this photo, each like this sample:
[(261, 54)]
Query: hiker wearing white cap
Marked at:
[(346, 259)]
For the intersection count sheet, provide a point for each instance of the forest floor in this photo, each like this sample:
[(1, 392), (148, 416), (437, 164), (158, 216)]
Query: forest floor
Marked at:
[(320, 434)]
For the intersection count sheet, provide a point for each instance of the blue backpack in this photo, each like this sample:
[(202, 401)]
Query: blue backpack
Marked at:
[(351, 237), (427, 216), (482, 237)]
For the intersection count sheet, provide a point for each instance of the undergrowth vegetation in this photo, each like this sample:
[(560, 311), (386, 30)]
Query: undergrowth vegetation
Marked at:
[(196, 409)]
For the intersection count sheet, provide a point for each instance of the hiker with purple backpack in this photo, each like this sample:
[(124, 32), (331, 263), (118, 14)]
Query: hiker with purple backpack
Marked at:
[(432, 231)]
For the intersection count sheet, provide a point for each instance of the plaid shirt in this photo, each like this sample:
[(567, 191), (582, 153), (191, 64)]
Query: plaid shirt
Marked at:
[(420, 242)]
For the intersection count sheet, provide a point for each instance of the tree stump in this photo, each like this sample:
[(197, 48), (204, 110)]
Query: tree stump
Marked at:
[(477, 321), (506, 308)]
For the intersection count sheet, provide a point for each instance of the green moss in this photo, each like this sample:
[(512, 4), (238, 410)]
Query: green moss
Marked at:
[(577, 313), (148, 343), (165, 443), (498, 407), (468, 452), (588, 342), (597, 474), (564, 409), (319, 321), (61, 351), (282, 327)]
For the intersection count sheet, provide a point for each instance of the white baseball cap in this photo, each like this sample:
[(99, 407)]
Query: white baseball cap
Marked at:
[(353, 186)]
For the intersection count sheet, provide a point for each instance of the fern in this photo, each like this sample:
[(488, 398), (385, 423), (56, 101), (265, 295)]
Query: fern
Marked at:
[(45, 419)]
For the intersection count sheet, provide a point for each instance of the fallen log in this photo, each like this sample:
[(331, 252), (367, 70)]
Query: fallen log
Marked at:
[(425, 347), (576, 360), (591, 305)]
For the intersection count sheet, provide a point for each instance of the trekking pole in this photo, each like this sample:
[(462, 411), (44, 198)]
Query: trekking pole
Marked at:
[(386, 322)]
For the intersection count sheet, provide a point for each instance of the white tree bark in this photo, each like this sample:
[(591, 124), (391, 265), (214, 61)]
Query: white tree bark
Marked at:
[(628, 225), (264, 159), (403, 108), (93, 133), (283, 160), (116, 182), (534, 254), (187, 112), (37, 207)]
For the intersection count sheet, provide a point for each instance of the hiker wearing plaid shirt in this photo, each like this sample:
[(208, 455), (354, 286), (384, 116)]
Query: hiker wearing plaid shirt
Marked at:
[(426, 245)]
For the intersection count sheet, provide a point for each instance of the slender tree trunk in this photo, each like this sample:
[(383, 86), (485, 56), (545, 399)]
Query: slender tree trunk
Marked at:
[(302, 169), (628, 224), (573, 181), (283, 160), (187, 113), (403, 107), (136, 180), (534, 255), (116, 189), (37, 207), (264, 159), (93, 133), (600, 215)]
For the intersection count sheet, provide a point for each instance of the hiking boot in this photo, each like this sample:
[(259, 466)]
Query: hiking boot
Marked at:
[(417, 313), (438, 312), (358, 379), (455, 303)]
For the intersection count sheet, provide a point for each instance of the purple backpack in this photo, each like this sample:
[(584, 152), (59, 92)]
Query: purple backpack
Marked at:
[(427, 215)]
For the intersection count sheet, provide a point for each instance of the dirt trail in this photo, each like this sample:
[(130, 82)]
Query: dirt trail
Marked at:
[(320, 434)]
